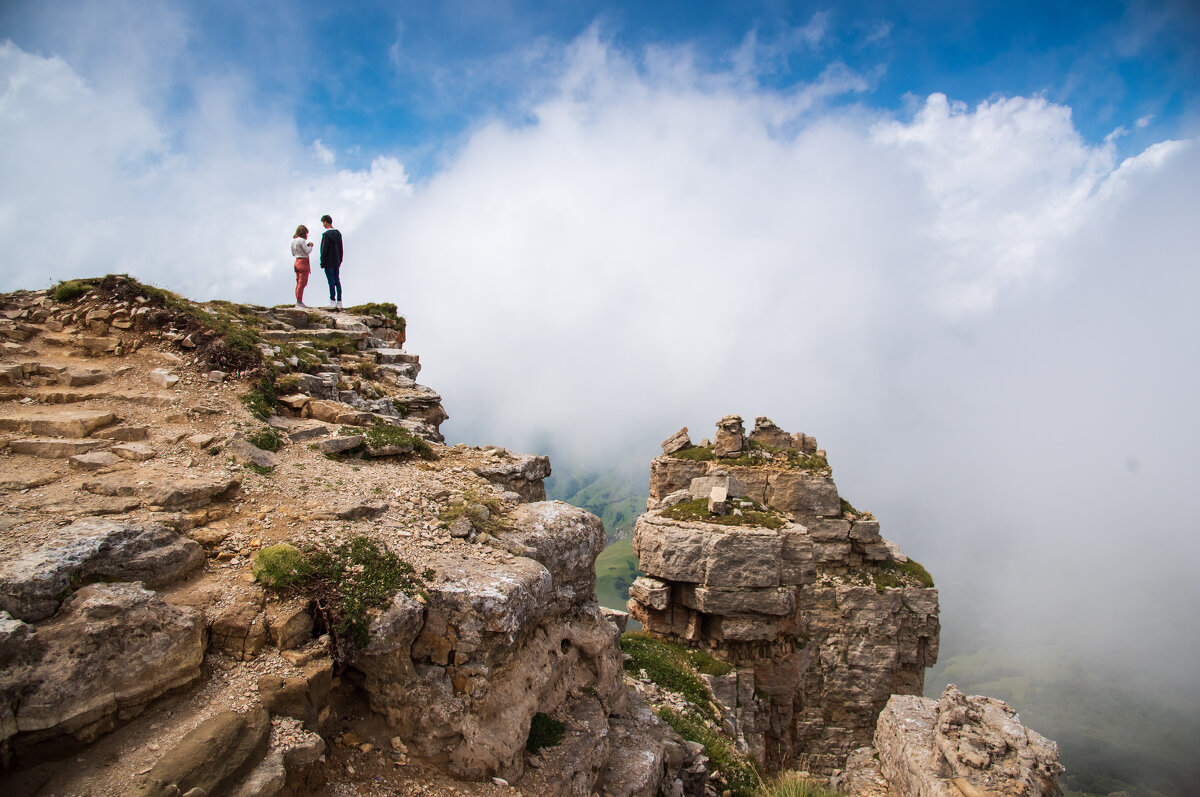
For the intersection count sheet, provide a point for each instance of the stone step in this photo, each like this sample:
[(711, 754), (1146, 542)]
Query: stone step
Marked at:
[(390, 355), (56, 423), (53, 447)]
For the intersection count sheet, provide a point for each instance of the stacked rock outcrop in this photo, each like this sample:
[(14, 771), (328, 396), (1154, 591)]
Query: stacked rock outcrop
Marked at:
[(958, 746), (750, 552)]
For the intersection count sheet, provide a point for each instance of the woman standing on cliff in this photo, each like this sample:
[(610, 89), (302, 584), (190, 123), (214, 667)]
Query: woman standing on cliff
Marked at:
[(300, 250)]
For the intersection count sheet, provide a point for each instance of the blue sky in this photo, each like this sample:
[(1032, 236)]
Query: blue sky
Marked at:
[(956, 242), (408, 78)]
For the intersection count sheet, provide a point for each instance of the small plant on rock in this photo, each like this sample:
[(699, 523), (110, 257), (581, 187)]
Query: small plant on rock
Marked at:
[(280, 566), (266, 438), (261, 399)]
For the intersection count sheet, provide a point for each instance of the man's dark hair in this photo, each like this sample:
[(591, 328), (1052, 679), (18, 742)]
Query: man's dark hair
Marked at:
[(326, 218)]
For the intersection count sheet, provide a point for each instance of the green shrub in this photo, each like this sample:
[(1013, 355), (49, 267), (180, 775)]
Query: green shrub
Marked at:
[(280, 566), (739, 772), (386, 434), (697, 510), (790, 784), (261, 399), (70, 290), (544, 731), (266, 438), (287, 385), (485, 511)]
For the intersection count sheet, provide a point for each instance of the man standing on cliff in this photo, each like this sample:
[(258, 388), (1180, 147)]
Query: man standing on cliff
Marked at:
[(331, 261)]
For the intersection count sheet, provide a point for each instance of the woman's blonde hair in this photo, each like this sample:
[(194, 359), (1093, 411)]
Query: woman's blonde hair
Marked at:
[(301, 230)]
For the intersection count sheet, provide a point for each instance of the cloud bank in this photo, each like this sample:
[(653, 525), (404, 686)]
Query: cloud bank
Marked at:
[(983, 317)]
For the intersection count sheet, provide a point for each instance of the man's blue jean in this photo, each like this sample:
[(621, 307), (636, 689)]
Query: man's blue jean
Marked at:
[(334, 276)]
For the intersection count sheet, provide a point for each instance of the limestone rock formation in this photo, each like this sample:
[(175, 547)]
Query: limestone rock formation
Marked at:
[(957, 746), (761, 563), (112, 649)]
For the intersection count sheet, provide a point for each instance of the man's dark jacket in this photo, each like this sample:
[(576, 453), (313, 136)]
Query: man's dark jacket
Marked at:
[(331, 249)]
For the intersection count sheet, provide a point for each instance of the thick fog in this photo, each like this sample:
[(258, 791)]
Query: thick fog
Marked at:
[(986, 320)]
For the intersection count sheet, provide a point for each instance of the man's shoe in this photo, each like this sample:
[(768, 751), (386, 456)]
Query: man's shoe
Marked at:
[(339, 305)]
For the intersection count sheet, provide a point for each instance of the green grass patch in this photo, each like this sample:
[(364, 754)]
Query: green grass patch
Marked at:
[(347, 580), (901, 574), (382, 309), (331, 341), (386, 434), (261, 470), (544, 731), (70, 290), (759, 455), (740, 773), (672, 667), (266, 438), (697, 510)]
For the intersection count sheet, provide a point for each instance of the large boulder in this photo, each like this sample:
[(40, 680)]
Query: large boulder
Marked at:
[(566, 540), (523, 475), (111, 650), (212, 758), (33, 581)]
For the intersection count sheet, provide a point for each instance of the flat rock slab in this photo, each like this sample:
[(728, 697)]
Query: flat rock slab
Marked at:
[(112, 649), (248, 454), (56, 423), (94, 460), (53, 448), (124, 434), (32, 582), (212, 758), (362, 510), (338, 445), (301, 434), (134, 451), (193, 494)]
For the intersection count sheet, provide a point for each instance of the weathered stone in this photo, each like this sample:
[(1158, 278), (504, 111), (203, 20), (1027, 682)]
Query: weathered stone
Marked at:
[(32, 581), (618, 618), (338, 445), (565, 539), (962, 745), (217, 376), (650, 592), (193, 494), (163, 378), (669, 475), (865, 531), (462, 528), (713, 600), (240, 629), (362, 509), (56, 423), (94, 460), (124, 434), (245, 453), (134, 451), (112, 649), (702, 486), (297, 401), (523, 476), (676, 442), (804, 494), (289, 624), (213, 757), (718, 498), (52, 448), (80, 378), (730, 438), (327, 411), (766, 433)]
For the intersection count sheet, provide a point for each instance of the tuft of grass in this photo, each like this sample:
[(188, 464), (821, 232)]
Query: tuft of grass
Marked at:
[(261, 399), (287, 385), (697, 510), (740, 773), (486, 512), (544, 731), (790, 784), (382, 309), (261, 470), (280, 566), (266, 438), (386, 434), (670, 666), (70, 290), (901, 574), (695, 454)]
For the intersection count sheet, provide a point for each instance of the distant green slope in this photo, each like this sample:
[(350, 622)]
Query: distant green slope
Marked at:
[(616, 568), (616, 498)]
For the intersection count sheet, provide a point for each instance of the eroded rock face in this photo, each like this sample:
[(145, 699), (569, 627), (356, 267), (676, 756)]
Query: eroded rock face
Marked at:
[(461, 677), (111, 650), (818, 647), (33, 581), (523, 474), (962, 745)]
